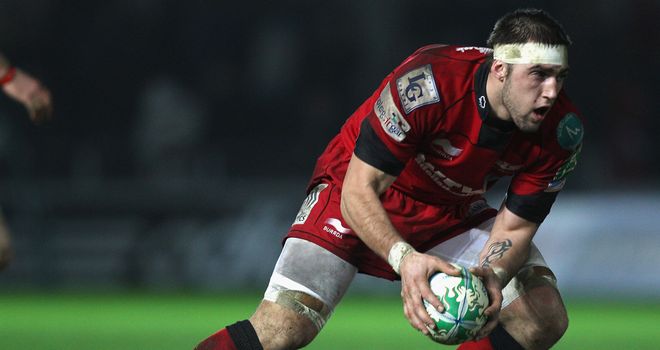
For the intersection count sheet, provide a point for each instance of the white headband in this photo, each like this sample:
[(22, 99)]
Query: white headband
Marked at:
[(531, 53)]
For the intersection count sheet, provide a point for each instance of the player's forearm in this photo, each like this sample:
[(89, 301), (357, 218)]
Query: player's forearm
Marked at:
[(364, 213), (508, 245)]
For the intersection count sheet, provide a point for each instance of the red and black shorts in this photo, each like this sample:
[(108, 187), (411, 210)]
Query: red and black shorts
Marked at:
[(421, 224)]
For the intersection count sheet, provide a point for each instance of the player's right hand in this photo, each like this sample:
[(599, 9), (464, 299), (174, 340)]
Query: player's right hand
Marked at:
[(415, 270), (494, 287)]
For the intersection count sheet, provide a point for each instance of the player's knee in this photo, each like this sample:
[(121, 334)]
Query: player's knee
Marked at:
[(538, 317), (548, 329), (290, 321), (551, 319)]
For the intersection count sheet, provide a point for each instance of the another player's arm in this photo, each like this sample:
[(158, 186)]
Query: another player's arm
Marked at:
[(363, 211), (27, 90), (505, 251)]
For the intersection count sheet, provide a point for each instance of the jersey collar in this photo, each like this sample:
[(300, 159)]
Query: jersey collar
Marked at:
[(495, 132), (481, 99)]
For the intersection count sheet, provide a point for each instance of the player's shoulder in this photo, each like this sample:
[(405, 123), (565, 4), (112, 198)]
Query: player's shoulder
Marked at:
[(441, 54), (564, 125), (455, 52), (437, 73)]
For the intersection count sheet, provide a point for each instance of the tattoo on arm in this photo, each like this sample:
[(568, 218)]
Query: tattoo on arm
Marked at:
[(496, 251)]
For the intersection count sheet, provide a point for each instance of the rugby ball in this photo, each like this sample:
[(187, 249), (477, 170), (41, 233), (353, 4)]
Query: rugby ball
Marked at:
[(464, 298)]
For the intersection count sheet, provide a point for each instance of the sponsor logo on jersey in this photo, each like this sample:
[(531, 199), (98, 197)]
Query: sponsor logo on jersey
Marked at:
[(480, 49), (444, 181), (334, 227), (445, 149), (389, 115), (570, 132), (559, 180), (308, 204), (417, 88)]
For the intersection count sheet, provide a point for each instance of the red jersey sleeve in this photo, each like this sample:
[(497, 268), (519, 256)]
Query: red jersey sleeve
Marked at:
[(399, 116), (533, 191)]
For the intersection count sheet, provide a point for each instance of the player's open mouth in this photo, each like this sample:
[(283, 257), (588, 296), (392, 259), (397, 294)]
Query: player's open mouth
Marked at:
[(539, 113)]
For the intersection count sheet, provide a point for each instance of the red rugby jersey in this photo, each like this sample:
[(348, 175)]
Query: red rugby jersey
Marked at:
[(430, 124)]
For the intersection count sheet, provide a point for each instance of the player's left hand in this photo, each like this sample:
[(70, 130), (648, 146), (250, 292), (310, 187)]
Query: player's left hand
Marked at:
[(494, 287), (32, 94)]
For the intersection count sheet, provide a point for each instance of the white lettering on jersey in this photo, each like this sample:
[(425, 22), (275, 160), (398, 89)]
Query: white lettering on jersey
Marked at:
[(417, 88), (445, 182), (389, 115), (308, 204)]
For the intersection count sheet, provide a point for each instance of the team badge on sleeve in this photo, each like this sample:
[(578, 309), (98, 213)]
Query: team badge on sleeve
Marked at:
[(417, 88), (389, 115), (570, 132)]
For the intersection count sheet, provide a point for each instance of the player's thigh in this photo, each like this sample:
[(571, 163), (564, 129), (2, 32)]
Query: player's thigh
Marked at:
[(306, 285)]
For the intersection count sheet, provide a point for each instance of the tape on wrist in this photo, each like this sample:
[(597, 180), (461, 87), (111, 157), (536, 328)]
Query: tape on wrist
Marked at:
[(398, 251)]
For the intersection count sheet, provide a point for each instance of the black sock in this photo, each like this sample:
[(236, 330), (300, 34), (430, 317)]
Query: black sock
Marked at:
[(502, 340), (244, 336)]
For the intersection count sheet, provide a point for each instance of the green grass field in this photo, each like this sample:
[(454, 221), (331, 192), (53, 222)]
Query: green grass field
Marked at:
[(157, 321)]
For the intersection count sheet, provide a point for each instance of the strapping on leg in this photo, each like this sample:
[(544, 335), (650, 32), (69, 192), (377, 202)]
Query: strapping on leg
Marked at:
[(535, 276), (303, 304)]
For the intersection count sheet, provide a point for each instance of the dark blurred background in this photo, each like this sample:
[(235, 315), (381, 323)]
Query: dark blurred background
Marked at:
[(184, 132)]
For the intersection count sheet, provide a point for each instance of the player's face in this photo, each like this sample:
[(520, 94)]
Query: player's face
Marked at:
[(530, 90)]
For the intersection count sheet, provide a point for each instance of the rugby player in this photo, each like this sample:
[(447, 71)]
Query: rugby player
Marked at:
[(398, 193)]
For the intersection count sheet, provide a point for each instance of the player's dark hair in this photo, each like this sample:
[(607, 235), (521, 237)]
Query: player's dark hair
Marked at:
[(528, 25)]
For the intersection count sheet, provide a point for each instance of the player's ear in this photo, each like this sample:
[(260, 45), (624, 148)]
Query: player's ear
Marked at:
[(499, 70)]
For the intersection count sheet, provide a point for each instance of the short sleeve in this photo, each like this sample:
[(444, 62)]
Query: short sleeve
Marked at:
[(532, 192), (393, 129)]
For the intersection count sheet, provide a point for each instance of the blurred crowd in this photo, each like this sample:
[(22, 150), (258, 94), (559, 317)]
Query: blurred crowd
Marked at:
[(217, 90)]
